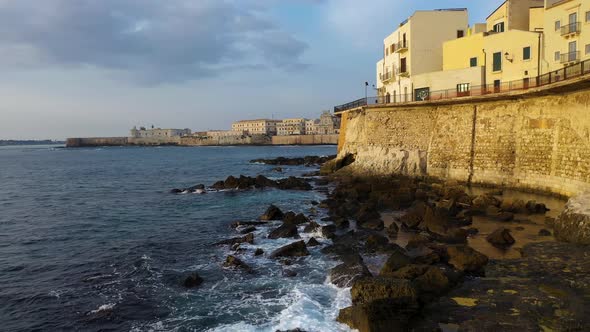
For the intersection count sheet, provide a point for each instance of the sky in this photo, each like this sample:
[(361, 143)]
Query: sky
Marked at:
[(87, 68)]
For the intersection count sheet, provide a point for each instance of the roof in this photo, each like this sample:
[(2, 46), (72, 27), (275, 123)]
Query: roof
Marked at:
[(500, 6), (257, 120)]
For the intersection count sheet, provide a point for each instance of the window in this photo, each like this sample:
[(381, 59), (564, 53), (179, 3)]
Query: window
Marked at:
[(403, 66), (462, 89), (557, 25), (391, 48), (497, 65), (497, 86), (386, 51), (587, 49), (526, 53), (460, 33), (499, 27), (588, 16), (557, 56), (473, 62)]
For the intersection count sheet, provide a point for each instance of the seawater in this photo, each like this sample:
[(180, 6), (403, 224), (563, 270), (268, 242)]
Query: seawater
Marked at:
[(91, 239)]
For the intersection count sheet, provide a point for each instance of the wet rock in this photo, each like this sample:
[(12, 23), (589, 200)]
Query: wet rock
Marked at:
[(311, 227), (247, 230), (482, 202), (472, 231), (296, 219), (536, 208), (341, 223), (289, 273), (329, 231), (392, 230), (277, 169), (352, 269), (544, 232), (432, 281), (293, 183), (287, 262), (414, 216), (258, 252), (501, 238), (262, 181), (417, 241), (376, 242), (296, 249), (425, 256), (314, 203), (313, 242), (231, 183), (379, 315), (293, 330), (374, 224), (573, 224), (505, 216), (466, 259), (307, 160), (284, 231), (367, 290), (234, 262), (409, 272), (453, 236), (436, 220), (193, 280), (396, 261), (513, 205), (237, 224), (272, 213), (249, 238), (175, 191)]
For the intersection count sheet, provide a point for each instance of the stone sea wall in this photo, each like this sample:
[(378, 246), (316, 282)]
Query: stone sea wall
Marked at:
[(539, 140), (305, 140)]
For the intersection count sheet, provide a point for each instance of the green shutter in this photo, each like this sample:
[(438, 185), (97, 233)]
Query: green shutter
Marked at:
[(497, 61)]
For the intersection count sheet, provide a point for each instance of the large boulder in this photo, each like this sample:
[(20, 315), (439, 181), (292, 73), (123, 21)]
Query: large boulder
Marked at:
[(236, 263), (231, 183), (573, 224), (296, 219), (311, 227), (293, 183), (352, 269), (415, 215), (249, 238), (295, 249), (377, 316), (466, 259), (501, 238), (400, 291), (396, 261), (284, 231), (436, 220), (272, 213)]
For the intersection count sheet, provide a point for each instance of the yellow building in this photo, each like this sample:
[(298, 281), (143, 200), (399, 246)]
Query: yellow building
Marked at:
[(567, 32), (416, 48), (256, 127)]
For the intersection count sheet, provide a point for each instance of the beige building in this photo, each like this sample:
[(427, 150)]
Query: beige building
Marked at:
[(256, 127), (223, 133), (567, 32), (327, 124), (142, 132), (415, 48), (291, 127)]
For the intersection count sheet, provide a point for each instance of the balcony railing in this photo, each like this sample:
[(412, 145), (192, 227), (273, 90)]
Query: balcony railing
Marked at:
[(570, 57), (404, 72), (387, 76), (571, 28), (402, 46)]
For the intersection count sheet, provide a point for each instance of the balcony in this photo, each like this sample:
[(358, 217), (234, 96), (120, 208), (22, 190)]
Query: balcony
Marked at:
[(570, 29), (402, 46), (386, 77), (403, 72), (570, 57)]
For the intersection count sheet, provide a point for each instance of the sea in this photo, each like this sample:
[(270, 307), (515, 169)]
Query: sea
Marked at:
[(91, 239)]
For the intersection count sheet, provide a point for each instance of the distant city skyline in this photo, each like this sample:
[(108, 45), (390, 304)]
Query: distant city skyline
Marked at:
[(74, 68)]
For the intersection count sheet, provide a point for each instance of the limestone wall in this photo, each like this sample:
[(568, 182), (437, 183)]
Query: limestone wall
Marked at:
[(538, 141), (227, 140)]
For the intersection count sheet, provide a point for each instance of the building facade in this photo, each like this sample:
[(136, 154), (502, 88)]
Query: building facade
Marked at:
[(256, 127), (291, 127), (142, 132)]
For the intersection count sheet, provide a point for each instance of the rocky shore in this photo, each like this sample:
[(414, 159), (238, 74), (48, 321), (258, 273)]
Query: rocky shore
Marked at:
[(404, 248)]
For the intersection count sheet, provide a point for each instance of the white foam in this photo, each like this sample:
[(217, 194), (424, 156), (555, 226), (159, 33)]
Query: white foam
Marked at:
[(104, 307)]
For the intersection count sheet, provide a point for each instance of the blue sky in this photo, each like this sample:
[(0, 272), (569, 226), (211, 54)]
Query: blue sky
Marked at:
[(97, 68)]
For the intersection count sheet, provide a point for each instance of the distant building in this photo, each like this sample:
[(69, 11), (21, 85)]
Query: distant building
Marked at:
[(142, 132), (256, 127), (291, 127), (223, 133)]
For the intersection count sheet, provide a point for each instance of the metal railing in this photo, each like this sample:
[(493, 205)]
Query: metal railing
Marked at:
[(571, 28), (563, 74), (401, 46), (387, 76), (570, 57)]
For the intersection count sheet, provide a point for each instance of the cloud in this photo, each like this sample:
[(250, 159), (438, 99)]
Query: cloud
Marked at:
[(148, 40)]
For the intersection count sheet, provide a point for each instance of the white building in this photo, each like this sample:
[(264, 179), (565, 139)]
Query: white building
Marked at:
[(256, 127), (142, 132)]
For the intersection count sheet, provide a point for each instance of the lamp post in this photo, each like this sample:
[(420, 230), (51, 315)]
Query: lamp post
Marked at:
[(366, 87)]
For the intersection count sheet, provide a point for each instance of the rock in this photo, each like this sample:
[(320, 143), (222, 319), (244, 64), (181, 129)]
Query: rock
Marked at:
[(436, 220), (314, 203), (466, 259), (313, 242), (249, 238), (272, 213), (501, 238), (293, 183), (234, 262), (573, 224), (432, 281), (505, 216), (341, 223), (287, 262), (231, 183), (374, 224), (193, 280), (289, 273), (536, 208), (414, 216), (262, 181), (329, 231), (352, 269), (544, 232), (396, 261), (392, 230), (367, 290), (482, 202), (311, 227), (410, 272), (417, 241), (307, 160), (277, 169), (381, 315), (196, 187), (284, 231), (175, 191), (513, 205), (472, 231), (296, 219), (247, 230), (258, 252), (295, 249), (237, 224), (375, 242)]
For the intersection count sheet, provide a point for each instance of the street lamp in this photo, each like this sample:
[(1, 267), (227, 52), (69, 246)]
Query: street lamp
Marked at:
[(366, 87)]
